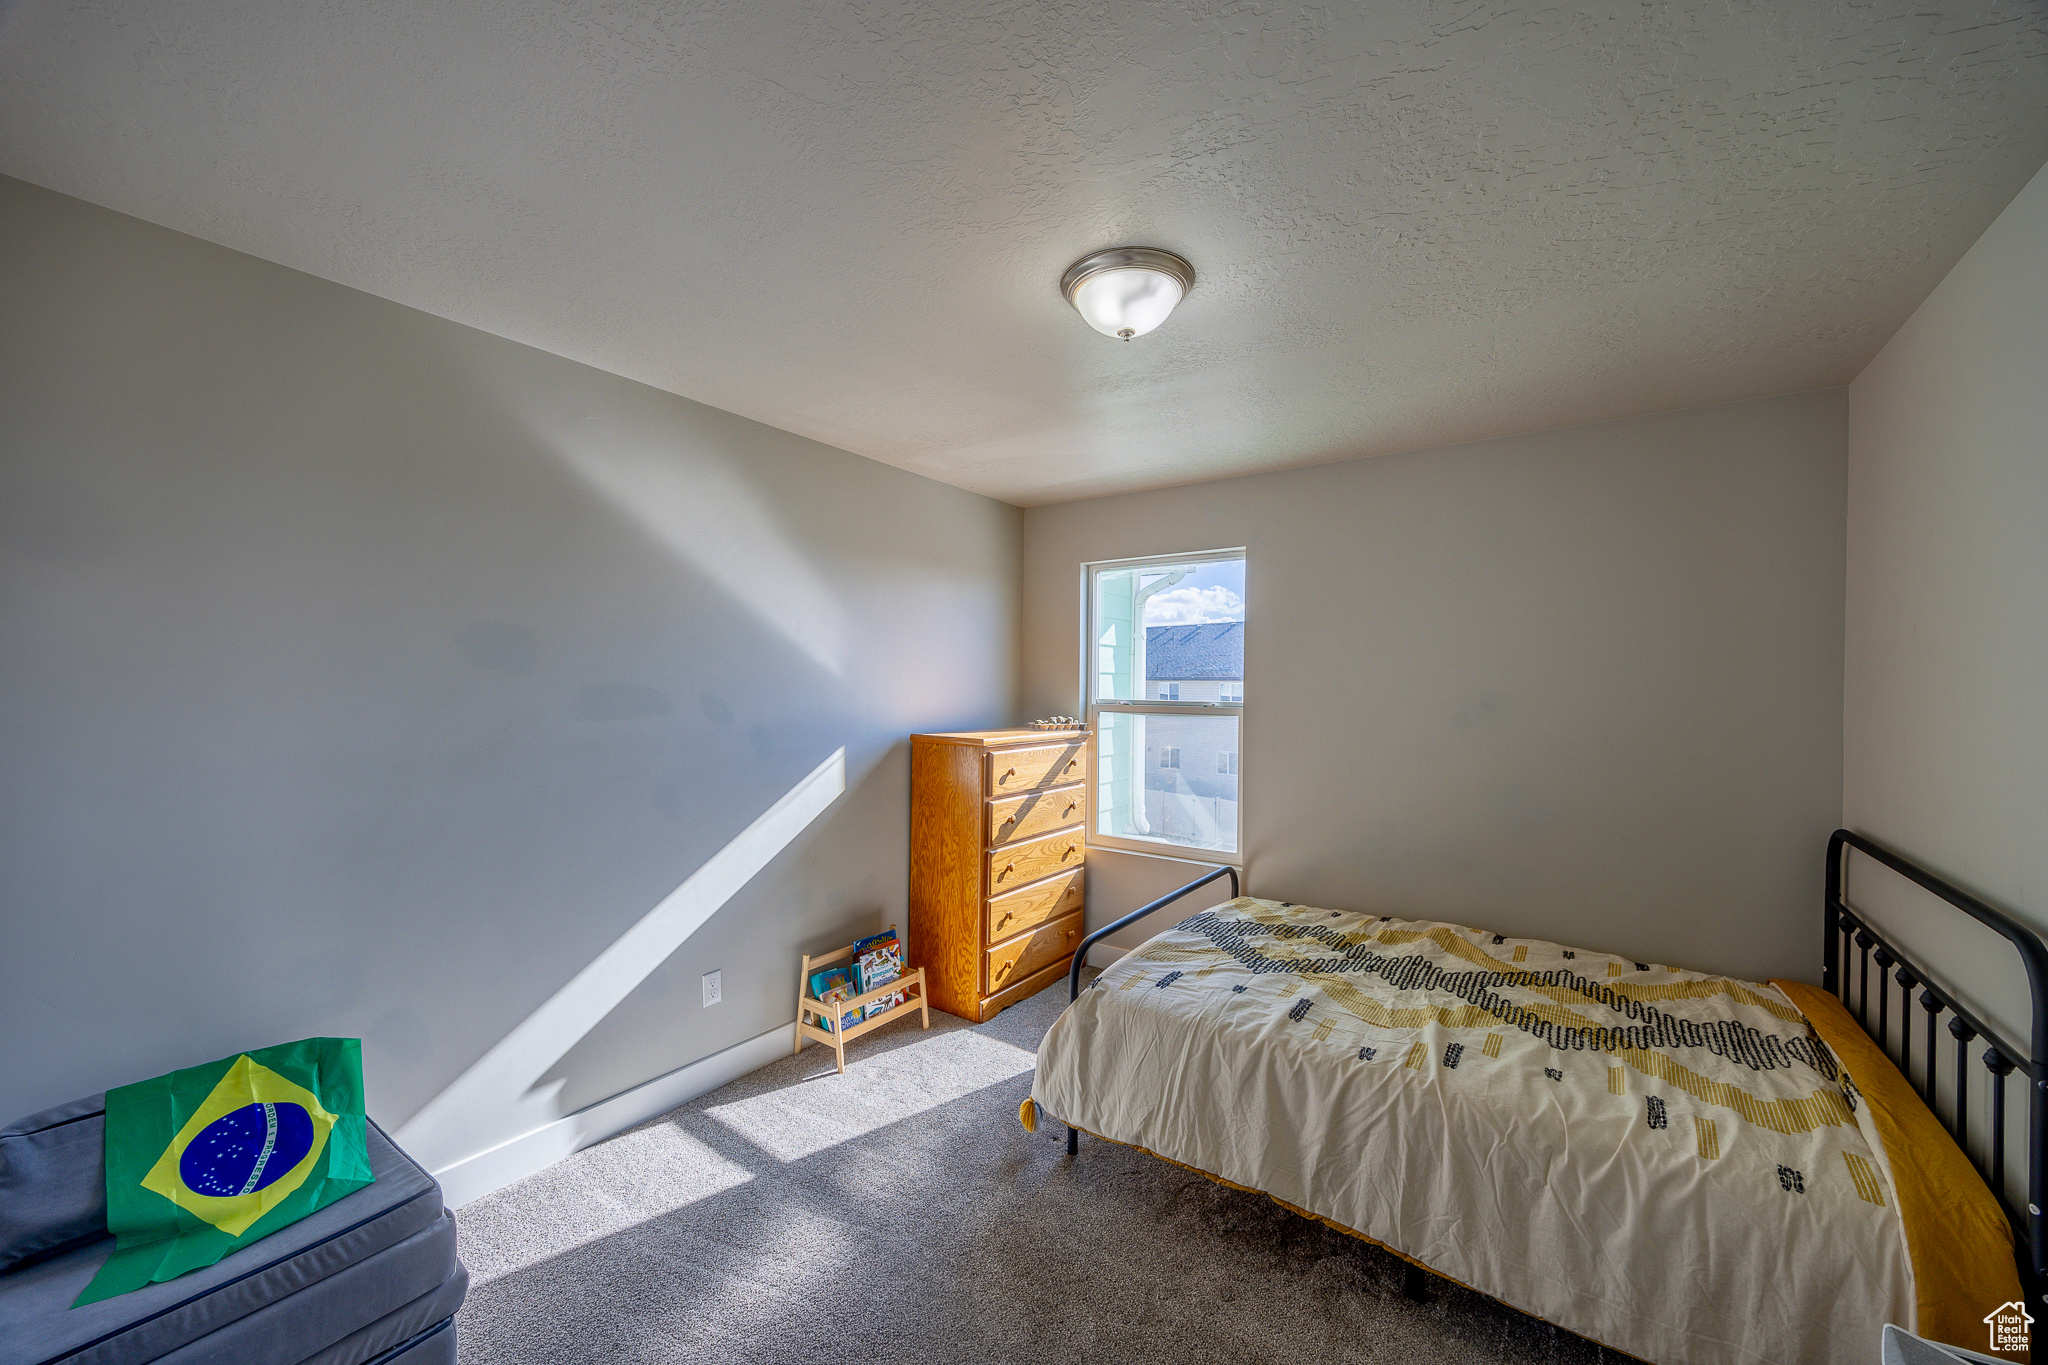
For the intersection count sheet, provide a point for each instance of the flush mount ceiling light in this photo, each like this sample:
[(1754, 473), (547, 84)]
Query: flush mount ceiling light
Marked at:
[(1127, 291)]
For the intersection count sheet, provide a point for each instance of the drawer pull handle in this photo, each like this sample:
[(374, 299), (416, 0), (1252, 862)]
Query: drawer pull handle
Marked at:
[(1011, 820), (1001, 922), (1008, 868), (1007, 776)]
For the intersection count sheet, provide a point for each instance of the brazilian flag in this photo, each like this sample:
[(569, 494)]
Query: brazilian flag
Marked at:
[(208, 1159)]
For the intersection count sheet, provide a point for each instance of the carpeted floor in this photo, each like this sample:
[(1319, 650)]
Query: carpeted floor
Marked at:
[(900, 1213)]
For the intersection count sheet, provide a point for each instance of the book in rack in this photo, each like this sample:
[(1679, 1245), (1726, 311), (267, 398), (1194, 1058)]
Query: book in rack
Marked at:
[(855, 990)]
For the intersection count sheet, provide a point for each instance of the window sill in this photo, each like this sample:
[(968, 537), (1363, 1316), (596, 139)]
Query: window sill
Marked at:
[(1166, 852)]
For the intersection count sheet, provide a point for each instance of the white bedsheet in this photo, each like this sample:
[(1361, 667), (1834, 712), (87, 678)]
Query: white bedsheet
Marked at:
[(1669, 1163)]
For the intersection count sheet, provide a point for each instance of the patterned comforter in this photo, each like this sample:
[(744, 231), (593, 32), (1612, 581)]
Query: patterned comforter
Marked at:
[(1669, 1163)]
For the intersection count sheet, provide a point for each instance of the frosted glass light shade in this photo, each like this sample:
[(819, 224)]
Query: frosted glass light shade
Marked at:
[(1126, 303), (1127, 291)]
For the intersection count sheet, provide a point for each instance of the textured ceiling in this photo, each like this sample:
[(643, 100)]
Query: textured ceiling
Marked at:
[(1412, 223)]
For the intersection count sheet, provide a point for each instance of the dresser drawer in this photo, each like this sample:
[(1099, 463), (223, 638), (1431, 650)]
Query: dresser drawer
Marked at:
[(1022, 770), (1011, 915), (1022, 989), (1016, 818), (1021, 864), (1018, 958)]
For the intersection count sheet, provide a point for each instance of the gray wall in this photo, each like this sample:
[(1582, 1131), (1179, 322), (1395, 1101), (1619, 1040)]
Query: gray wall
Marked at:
[(367, 674), (1583, 685), (1946, 714)]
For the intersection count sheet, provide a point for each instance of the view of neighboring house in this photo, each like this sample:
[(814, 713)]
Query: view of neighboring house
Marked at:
[(1191, 760), (1195, 663)]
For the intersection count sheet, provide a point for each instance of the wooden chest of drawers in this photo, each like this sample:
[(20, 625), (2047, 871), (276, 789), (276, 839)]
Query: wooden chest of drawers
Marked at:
[(996, 847)]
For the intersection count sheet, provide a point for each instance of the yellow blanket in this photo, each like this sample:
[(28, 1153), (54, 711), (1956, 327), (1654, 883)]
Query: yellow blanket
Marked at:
[(1673, 1164)]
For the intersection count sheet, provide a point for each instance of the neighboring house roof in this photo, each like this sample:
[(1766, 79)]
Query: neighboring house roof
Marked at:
[(1195, 653)]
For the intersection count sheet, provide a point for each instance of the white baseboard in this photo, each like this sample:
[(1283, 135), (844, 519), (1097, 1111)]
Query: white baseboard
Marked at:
[(476, 1176)]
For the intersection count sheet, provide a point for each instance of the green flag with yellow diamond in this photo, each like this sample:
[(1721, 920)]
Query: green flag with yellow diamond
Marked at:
[(208, 1159)]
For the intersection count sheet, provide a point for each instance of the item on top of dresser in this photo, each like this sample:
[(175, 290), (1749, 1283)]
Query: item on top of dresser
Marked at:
[(1057, 723), (997, 840), (818, 983)]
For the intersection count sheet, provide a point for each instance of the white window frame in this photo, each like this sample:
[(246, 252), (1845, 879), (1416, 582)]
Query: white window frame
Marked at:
[(1094, 707)]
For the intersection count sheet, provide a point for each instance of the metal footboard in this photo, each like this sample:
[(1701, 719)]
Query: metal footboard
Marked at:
[(1081, 952)]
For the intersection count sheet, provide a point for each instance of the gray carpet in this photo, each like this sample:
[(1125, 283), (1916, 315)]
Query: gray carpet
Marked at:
[(900, 1213)]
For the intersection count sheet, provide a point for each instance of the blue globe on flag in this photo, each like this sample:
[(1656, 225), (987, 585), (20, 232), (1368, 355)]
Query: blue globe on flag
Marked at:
[(247, 1150)]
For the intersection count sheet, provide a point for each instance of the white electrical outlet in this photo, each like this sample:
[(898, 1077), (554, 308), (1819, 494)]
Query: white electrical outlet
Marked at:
[(714, 988)]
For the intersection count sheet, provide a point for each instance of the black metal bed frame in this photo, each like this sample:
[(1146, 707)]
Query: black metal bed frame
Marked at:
[(1843, 927), (1081, 952), (2001, 1058)]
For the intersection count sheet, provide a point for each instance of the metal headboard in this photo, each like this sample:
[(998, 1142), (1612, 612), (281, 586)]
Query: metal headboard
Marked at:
[(2000, 1059)]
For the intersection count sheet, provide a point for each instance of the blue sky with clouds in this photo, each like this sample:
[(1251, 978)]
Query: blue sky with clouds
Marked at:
[(1213, 592)]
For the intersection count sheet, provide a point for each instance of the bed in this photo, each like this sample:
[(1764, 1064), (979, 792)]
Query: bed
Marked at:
[(1684, 1167)]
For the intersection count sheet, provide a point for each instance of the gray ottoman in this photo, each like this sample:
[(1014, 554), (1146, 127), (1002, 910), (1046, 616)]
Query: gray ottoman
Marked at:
[(373, 1277)]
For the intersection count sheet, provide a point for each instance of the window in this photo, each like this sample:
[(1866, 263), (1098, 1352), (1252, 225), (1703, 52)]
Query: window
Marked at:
[(1165, 651)]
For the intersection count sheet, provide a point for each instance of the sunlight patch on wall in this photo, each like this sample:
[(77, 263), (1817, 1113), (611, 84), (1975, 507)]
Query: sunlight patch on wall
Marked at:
[(501, 1093)]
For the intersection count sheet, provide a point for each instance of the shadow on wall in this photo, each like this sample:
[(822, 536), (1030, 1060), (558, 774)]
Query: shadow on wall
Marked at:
[(364, 703), (715, 526), (843, 877), (504, 1082)]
